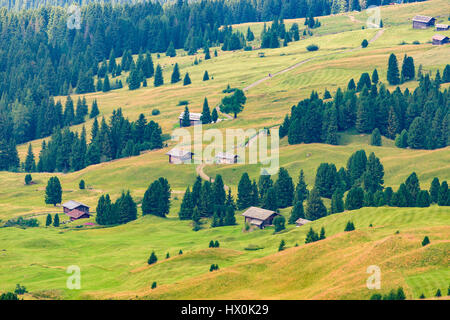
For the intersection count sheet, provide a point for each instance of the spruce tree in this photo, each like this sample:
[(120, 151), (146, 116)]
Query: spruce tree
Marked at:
[(187, 206), (186, 122), (187, 80), (206, 114), (434, 190), (311, 236), (153, 258), (284, 188), (159, 80), (214, 115), (244, 198), (297, 212), (354, 199), (337, 204), (53, 191), (270, 200), (425, 241), (375, 77), (48, 221), (417, 134), (106, 86), (322, 234), (393, 76), (30, 164), (94, 109), (315, 209), (171, 52), (443, 195), (56, 221), (349, 226), (175, 74), (206, 76), (375, 138), (301, 191)]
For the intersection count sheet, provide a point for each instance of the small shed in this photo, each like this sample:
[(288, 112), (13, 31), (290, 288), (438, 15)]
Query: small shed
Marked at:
[(178, 156), (423, 22), (300, 222), (76, 210), (226, 158), (194, 118), (259, 217), (439, 39), (442, 27)]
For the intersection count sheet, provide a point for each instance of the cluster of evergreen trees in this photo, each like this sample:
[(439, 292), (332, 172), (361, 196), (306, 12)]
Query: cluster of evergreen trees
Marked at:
[(270, 37), (418, 119), (208, 200), (67, 150), (123, 210)]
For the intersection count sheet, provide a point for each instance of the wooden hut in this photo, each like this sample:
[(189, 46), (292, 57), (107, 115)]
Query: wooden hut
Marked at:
[(178, 156), (442, 27), (259, 217), (423, 22), (76, 210), (226, 158), (439, 39), (300, 222)]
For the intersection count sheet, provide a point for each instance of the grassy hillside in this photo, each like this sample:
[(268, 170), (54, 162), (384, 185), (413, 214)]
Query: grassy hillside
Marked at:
[(113, 260)]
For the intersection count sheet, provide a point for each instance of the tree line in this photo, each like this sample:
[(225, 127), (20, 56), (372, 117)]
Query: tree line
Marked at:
[(419, 119), (69, 151)]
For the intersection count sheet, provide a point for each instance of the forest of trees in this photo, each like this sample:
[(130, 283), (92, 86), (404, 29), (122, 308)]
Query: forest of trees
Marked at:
[(68, 151), (418, 119)]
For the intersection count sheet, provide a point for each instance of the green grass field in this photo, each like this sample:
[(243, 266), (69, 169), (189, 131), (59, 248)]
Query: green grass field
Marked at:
[(113, 260)]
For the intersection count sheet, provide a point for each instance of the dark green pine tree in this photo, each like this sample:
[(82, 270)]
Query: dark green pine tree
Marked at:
[(207, 53), (53, 191), (206, 114), (417, 134), (206, 76), (94, 110), (408, 69), (69, 113), (48, 221), (349, 226), (134, 79), (244, 198), (186, 122), (434, 190), (444, 195), (171, 52), (413, 188), (375, 77), (99, 86), (106, 86), (354, 199), (279, 223), (218, 189), (159, 80), (126, 207), (425, 241), (423, 199), (393, 76), (196, 190), (326, 180), (373, 176), (153, 201), (296, 212), (284, 188), (30, 164), (264, 183), (175, 74), (153, 258), (322, 233), (375, 138), (187, 80), (230, 219), (214, 115), (337, 202), (270, 200), (351, 85), (315, 209), (255, 194), (311, 236), (301, 190), (56, 221)]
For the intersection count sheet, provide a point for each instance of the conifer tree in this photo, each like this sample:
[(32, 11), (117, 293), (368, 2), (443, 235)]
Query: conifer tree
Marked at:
[(28, 179), (284, 188), (350, 226), (153, 258), (282, 245), (106, 86), (279, 222), (175, 74), (206, 76), (393, 76), (301, 191), (186, 122), (297, 212), (244, 198), (30, 164), (206, 114), (375, 138), (315, 209), (214, 115), (337, 204), (425, 241), (311, 236), (187, 207), (270, 199), (53, 191), (434, 190), (48, 221), (443, 195), (94, 110), (375, 77), (159, 80), (354, 199), (187, 80), (322, 234), (171, 52), (56, 221)]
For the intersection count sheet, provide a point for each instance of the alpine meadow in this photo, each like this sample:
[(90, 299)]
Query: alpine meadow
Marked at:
[(225, 150)]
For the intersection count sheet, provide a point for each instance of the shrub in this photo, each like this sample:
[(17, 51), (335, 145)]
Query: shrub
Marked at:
[(416, 42), (438, 293), (9, 296), (180, 252), (152, 259), (364, 43), (28, 179), (282, 246), (279, 222), (155, 112), (248, 48), (81, 185), (376, 296), (183, 103), (154, 285), (425, 241), (350, 226), (312, 47), (20, 289)]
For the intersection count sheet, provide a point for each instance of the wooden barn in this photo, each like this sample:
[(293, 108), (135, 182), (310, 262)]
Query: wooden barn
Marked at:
[(423, 22), (439, 39), (301, 222), (226, 158), (442, 27), (259, 217), (76, 210), (194, 118), (179, 156)]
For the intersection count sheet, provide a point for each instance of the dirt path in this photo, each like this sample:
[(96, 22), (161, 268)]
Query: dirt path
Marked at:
[(204, 176), (374, 38)]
